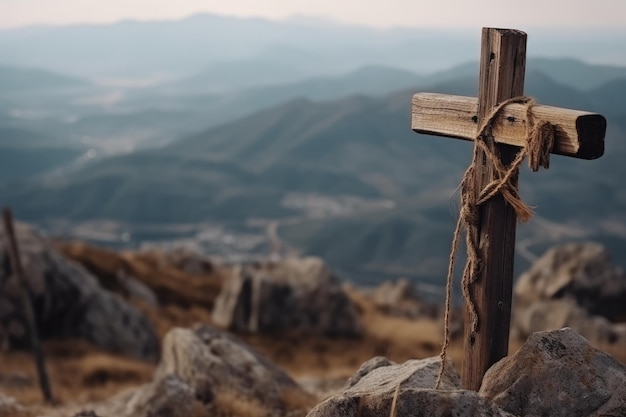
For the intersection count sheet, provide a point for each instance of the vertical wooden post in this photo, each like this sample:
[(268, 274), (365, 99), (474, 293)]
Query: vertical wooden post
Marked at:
[(27, 308), (502, 67)]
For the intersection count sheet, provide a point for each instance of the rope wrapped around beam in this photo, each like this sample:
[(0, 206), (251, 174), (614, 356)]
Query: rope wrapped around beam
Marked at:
[(539, 143)]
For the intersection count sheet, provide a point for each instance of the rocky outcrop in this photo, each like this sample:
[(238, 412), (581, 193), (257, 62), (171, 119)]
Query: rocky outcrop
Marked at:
[(68, 302), (301, 295), (581, 272), (205, 372), (557, 314), (557, 373), (170, 278), (371, 391), (580, 288), (400, 298)]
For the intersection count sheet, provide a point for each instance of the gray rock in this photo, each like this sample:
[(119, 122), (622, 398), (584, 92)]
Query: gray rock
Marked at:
[(580, 272), (135, 289), (557, 314), (366, 368), (371, 393), (557, 373), (575, 286), (294, 294), (68, 302), (201, 367), (169, 396)]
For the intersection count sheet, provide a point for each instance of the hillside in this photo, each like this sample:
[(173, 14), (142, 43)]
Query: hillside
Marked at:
[(360, 147), (27, 153), (570, 72), (14, 80)]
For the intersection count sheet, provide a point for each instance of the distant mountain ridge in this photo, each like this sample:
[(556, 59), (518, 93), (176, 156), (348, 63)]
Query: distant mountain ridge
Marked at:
[(20, 80), (143, 49), (360, 146)]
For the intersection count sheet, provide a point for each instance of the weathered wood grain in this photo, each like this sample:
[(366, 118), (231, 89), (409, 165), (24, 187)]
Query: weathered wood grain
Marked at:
[(502, 68), (578, 134)]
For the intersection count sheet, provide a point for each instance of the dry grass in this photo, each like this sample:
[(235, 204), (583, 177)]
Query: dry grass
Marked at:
[(79, 374), (231, 403), (296, 400), (17, 413), (82, 374), (163, 274)]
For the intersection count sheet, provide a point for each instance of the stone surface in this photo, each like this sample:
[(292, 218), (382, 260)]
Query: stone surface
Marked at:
[(68, 302), (557, 373), (366, 368), (151, 276), (575, 286), (580, 272), (371, 391), (202, 372), (296, 294), (557, 314)]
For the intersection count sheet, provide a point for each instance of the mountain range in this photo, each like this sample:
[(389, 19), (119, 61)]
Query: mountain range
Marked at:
[(303, 47), (357, 146), (245, 136)]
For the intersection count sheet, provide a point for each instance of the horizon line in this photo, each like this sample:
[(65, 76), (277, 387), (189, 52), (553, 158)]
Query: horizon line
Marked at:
[(293, 17)]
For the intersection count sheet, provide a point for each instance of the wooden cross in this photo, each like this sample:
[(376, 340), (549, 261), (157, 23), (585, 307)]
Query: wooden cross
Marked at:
[(577, 134)]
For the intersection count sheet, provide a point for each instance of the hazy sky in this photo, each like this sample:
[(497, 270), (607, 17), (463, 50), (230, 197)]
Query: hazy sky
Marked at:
[(379, 13)]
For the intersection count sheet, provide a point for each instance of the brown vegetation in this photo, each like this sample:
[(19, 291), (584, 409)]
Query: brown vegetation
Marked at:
[(176, 279), (82, 374)]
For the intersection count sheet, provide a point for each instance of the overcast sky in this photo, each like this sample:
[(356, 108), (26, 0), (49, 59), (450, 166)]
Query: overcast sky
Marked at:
[(379, 13)]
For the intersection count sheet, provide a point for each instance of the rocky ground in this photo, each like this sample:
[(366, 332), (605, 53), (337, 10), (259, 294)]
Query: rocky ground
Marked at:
[(166, 333)]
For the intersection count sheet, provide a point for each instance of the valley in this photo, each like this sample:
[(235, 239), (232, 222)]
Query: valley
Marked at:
[(312, 155)]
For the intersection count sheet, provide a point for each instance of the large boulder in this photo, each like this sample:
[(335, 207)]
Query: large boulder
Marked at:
[(68, 302), (557, 314), (301, 295), (574, 285), (206, 372), (557, 373), (371, 392), (151, 276), (580, 272)]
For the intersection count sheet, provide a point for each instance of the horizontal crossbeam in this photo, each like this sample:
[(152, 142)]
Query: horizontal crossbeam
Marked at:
[(578, 134)]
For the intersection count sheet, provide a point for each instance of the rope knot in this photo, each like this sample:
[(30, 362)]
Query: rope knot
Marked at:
[(539, 143)]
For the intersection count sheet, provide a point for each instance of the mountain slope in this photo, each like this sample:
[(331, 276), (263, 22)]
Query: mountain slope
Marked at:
[(26, 153), (358, 146), (304, 146), (576, 73), (15, 80), (572, 73)]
